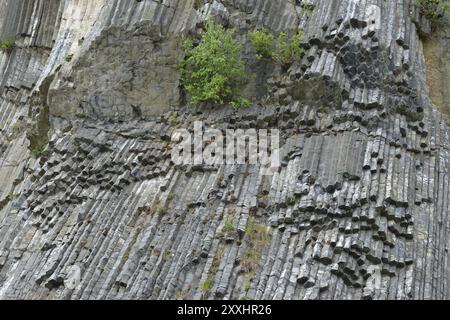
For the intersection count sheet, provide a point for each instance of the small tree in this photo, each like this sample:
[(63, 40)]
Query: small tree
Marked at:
[(262, 41), (283, 50), (213, 71), (287, 50), (7, 44)]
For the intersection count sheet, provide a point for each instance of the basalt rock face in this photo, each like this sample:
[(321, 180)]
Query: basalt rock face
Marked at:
[(91, 206)]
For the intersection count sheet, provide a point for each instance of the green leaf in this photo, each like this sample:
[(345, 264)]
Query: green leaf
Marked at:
[(213, 71)]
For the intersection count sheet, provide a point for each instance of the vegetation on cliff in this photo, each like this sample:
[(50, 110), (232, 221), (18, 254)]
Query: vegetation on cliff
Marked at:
[(7, 44), (284, 49), (213, 71), (437, 11)]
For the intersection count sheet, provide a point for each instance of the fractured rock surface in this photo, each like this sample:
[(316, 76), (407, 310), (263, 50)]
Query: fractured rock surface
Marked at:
[(358, 210)]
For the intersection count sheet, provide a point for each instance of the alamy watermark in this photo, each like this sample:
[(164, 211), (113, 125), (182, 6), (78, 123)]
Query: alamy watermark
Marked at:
[(211, 146)]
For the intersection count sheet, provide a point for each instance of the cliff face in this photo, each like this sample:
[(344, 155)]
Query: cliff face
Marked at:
[(92, 208), (437, 58)]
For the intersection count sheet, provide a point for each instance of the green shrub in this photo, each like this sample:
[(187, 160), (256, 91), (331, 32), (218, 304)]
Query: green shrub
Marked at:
[(228, 226), (213, 71), (257, 239), (287, 50), (262, 41), (68, 58), (247, 286), (436, 11), (284, 50), (173, 121), (38, 149), (7, 44), (208, 284), (308, 8)]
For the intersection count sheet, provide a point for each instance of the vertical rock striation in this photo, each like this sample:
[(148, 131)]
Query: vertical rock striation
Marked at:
[(91, 206)]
